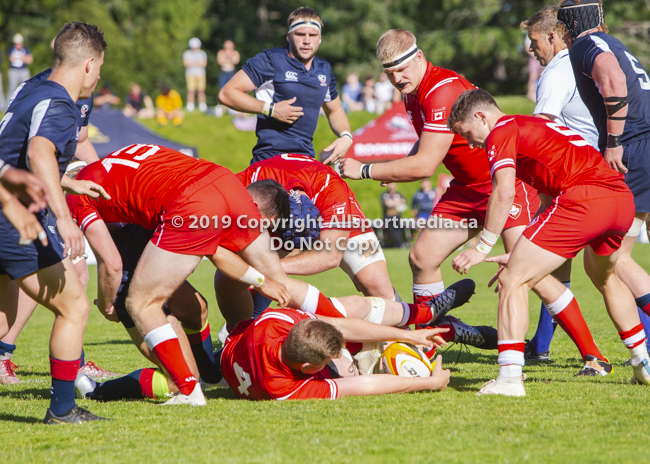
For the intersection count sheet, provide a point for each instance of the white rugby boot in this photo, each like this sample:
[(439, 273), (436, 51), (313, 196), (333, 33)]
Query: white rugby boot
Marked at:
[(195, 398), (507, 386)]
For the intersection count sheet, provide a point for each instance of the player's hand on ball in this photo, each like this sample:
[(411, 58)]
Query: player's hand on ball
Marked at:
[(350, 168), (439, 377), (337, 149), (276, 291), (284, 111), (467, 259), (428, 337), (614, 157), (501, 260), (86, 187)]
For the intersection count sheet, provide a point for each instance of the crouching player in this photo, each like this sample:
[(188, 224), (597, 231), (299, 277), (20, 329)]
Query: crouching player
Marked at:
[(288, 354), (590, 207)]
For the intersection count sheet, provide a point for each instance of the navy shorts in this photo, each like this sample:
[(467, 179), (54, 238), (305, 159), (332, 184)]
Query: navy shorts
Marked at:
[(22, 260), (636, 157), (131, 240)]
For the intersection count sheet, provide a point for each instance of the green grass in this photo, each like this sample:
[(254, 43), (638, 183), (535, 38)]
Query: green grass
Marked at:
[(563, 419)]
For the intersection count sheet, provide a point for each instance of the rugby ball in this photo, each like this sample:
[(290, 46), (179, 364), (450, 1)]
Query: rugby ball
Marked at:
[(405, 360)]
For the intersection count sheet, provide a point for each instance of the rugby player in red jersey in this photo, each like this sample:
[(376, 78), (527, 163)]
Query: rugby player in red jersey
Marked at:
[(588, 206), (288, 354), (429, 93), (164, 190)]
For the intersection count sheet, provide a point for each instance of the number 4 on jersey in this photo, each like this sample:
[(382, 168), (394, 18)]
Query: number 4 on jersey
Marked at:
[(243, 378)]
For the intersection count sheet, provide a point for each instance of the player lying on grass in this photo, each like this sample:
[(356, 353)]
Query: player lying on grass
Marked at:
[(289, 354), (429, 93), (590, 207), (349, 243)]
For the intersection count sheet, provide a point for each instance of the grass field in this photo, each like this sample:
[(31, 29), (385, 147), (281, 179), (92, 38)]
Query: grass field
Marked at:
[(563, 419)]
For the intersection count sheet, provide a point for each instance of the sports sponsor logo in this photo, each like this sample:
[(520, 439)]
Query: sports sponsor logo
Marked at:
[(323, 80), (492, 153), (291, 76), (515, 211), (84, 111)]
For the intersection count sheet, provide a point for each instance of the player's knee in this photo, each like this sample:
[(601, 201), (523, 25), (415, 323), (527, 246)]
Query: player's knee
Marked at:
[(415, 260)]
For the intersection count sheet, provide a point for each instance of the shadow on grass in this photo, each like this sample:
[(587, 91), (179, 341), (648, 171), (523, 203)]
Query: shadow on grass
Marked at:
[(220, 393), (27, 394), (14, 418), (110, 342)]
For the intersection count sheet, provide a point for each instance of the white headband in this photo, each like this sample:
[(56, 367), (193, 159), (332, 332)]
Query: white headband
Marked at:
[(405, 57), (75, 165), (304, 23)]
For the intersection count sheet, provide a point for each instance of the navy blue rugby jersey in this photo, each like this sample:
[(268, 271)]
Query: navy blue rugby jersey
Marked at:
[(583, 54), (278, 77), (44, 110)]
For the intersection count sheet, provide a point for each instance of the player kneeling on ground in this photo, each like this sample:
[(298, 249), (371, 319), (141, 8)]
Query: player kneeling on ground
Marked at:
[(589, 206), (288, 354)]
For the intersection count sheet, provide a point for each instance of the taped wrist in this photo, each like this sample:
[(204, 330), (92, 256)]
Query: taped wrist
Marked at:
[(617, 103), (487, 242), (366, 171), (613, 141)]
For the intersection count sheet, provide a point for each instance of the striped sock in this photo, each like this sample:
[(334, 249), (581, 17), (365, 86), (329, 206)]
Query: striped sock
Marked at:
[(163, 342), (511, 357)]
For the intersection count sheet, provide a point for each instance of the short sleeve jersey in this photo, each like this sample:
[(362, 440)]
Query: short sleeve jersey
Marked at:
[(169, 102), (277, 77), (584, 52), (16, 57), (423, 202), (429, 111), (44, 109), (557, 95), (324, 187), (142, 180), (252, 366), (547, 156), (194, 57)]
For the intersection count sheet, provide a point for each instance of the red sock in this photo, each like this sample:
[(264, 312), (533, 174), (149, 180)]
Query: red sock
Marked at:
[(633, 337), (146, 386), (423, 299), (163, 342), (447, 336), (326, 307), (418, 314), (571, 320)]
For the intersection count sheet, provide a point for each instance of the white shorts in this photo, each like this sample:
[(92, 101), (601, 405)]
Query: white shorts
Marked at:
[(359, 253)]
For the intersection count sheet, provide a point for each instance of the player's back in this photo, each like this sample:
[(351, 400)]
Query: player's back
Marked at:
[(549, 157), (46, 109), (429, 111), (143, 180)]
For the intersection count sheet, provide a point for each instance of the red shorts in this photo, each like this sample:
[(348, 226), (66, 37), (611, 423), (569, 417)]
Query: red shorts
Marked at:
[(205, 215), (584, 215), (470, 202)]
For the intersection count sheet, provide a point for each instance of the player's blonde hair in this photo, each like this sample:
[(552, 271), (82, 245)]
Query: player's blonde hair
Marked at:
[(313, 341), (393, 43), (543, 22), (304, 12)]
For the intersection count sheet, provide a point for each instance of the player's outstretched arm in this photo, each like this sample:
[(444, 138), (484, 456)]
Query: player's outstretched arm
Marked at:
[(383, 384), (339, 124), (30, 190), (314, 262), (109, 268), (84, 187), (24, 221), (424, 159)]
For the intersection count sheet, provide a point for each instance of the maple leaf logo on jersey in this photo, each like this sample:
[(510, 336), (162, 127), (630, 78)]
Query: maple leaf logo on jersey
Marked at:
[(438, 115), (492, 153), (515, 211), (323, 80)]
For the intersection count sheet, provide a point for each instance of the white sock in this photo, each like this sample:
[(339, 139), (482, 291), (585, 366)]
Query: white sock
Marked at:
[(433, 289), (159, 335), (510, 371), (310, 304)]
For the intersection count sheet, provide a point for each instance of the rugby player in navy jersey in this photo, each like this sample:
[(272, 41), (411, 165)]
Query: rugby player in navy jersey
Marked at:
[(616, 90), (291, 85), (39, 133)]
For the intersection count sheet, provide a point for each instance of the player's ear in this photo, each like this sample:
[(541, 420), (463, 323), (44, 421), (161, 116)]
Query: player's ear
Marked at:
[(304, 367)]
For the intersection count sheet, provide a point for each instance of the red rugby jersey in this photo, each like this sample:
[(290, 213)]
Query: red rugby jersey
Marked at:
[(324, 187), (142, 180), (548, 156), (429, 111), (251, 362)]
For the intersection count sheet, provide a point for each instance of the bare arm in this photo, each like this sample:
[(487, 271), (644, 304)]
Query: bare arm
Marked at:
[(314, 262), (612, 83), (383, 384), (25, 222), (424, 159), (550, 117), (109, 268), (30, 190), (85, 150), (339, 123)]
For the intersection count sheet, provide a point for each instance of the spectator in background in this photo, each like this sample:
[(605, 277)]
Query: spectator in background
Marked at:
[(368, 94), (138, 103), (227, 58), (19, 60), (423, 200), (195, 60), (394, 204), (169, 106), (105, 98), (352, 93), (534, 72), (384, 93)]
